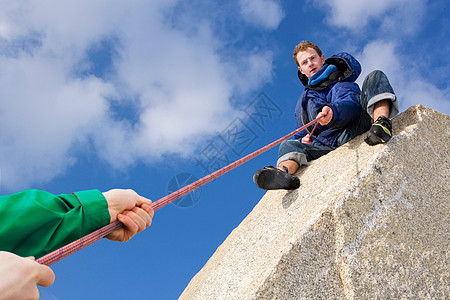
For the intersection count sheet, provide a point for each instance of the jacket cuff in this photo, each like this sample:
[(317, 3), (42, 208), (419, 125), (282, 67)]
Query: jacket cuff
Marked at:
[(95, 208)]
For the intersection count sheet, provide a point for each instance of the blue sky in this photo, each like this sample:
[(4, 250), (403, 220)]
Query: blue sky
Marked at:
[(149, 94)]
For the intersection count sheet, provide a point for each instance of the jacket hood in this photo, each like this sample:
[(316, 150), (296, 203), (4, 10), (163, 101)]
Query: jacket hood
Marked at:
[(348, 70)]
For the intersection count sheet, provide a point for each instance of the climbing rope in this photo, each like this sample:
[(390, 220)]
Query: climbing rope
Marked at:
[(97, 235)]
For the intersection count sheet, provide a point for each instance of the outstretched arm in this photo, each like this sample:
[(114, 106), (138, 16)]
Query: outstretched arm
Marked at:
[(48, 222)]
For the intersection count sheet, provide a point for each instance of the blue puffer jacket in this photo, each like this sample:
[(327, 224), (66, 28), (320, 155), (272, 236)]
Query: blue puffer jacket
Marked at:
[(339, 91)]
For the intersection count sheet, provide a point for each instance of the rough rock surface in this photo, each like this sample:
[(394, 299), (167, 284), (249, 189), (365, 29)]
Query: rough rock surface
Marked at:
[(368, 222)]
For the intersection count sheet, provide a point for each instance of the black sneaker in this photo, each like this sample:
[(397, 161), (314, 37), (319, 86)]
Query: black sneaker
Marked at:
[(271, 178), (380, 132)]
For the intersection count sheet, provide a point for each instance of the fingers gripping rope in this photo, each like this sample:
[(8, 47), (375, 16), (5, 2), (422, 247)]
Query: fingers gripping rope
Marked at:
[(89, 239)]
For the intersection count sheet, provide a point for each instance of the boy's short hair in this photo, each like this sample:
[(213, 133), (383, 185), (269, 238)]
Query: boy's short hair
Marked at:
[(302, 47)]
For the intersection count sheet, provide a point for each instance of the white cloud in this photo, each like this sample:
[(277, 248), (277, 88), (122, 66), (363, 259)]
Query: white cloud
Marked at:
[(394, 22), (418, 91), (42, 114), (380, 55), (264, 13), (177, 82), (409, 85), (352, 14), (395, 15)]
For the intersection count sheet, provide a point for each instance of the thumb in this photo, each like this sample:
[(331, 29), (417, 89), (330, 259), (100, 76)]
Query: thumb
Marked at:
[(46, 276), (142, 200)]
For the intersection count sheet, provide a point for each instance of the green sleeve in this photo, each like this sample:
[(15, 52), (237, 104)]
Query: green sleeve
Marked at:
[(34, 222)]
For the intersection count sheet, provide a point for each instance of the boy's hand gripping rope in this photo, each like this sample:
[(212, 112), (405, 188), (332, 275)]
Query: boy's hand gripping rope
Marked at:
[(89, 239)]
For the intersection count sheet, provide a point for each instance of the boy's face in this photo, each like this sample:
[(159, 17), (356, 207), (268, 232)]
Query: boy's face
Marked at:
[(310, 62)]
